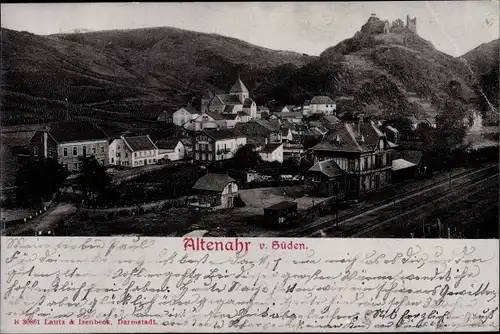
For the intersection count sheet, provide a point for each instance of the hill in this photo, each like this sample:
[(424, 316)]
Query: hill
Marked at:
[(484, 61), (122, 75), (382, 73)]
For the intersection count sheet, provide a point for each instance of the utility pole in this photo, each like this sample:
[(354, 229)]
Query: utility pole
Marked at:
[(67, 109)]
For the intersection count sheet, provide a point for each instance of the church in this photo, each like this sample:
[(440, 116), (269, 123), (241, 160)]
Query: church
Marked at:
[(238, 101)]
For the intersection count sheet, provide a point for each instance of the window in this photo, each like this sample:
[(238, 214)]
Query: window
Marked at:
[(84, 151), (75, 150), (102, 148), (197, 156), (210, 157), (102, 162), (65, 152), (75, 165), (126, 155), (35, 150), (118, 154), (112, 160), (93, 149), (366, 163), (378, 161), (351, 164), (197, 146), (135, 155), (317, 178), (203, 156)]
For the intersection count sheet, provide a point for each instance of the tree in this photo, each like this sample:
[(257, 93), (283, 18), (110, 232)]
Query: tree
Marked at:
[(93, 180), (38, 180), (246, 157), (400, 123)]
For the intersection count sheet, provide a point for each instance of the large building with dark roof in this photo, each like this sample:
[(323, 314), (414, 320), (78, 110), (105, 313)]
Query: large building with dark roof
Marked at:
[(68, 141), (211, 145), (322, 104), (352, 159), (215, 191)]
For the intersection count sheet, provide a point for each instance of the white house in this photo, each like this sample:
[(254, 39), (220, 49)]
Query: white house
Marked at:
[(215, 191), (272, 152), (207, 120), (217, 144), (250, 108), (184, 115), (171, 149), (322, 104), (133, 151), (288, 108)]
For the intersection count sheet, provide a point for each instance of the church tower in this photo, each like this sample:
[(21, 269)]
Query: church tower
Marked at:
[(239, 89)]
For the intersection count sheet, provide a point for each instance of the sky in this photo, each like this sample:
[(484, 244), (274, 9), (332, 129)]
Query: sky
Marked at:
[(454, 27)]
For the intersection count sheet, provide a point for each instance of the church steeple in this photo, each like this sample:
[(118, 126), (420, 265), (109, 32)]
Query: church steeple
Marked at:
[(240, 89)]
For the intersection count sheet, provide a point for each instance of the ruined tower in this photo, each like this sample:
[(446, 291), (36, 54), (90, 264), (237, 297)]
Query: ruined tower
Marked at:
[(411, 23)]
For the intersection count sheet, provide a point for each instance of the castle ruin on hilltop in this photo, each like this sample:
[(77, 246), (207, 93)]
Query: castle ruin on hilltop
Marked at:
[(411, 24)]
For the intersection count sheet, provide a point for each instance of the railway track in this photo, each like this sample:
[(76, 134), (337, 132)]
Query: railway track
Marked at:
[(352, 214), (363, 229)]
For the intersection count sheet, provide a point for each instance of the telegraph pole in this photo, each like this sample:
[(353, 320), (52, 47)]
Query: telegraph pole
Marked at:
[(67, 109)]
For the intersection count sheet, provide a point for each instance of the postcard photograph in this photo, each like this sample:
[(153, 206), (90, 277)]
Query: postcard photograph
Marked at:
[(350, 119)]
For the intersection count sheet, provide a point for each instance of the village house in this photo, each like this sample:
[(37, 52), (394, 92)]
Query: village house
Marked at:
[(232, 119), (257, 131), (262, 112), (68, 141), (134, 151), (184, 115), (207, 120), (212, 145), (392, 134), (288, 108), (286, 134), (188, 147), (171, 149), (166, 116), (216, 191), (352, 159), (306, 107), (271, 152), (415, 122), (292, 116), (322, 104), (237, 100)]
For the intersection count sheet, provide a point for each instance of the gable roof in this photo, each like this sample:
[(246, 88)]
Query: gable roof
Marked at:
[(267, 124), (74, 131), (213, 182), (290, 114), (228, 109), (189, 109), (215, 116), (228, 99), (328, 168), (229, 116), (307, 103), (399, 164), (322, 99), (413, 156), (139, 143), (248, 102), (270, 147), (168, 144), (223, 133), (238, 87), (165, 114), (242, 114)]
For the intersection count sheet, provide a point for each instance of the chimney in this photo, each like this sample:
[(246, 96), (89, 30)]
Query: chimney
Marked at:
[(360, 122), (45, 140), (266, 141), (337, 139)]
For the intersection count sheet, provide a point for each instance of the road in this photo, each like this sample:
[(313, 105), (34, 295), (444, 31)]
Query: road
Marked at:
[(45, 222), (431, 201)]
